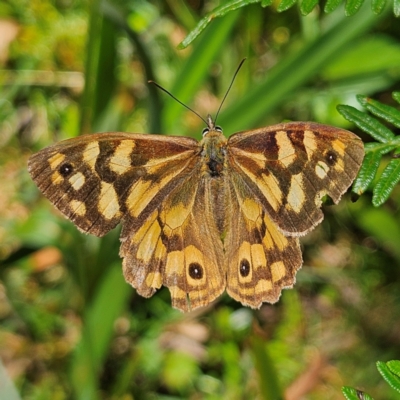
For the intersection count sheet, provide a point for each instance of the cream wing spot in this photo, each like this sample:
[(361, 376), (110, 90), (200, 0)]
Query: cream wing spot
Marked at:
[(310, 143), (271, 190), (56, 160), (258, 256), (321, 169), (78, 207), (286, 151), (90, 153), (296, 196), (108, 201), (77, 180), (251, 209), (146, 247), (278, 270), (120, 162)]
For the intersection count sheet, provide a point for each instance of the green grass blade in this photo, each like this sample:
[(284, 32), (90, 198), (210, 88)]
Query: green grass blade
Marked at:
[(197, 67), (367, 123), (367, 172), (386, 183), (268, 379), (383, 111), (93, 49), (292, 72), (352, 6), (107, 305), (378, 6), (353, 394), (389, 374), (217, 12)]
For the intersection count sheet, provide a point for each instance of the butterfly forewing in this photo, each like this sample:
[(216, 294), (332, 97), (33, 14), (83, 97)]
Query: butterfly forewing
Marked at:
[(290, 167), (94, 180)]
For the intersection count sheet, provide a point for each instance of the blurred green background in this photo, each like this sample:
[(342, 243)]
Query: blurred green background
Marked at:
[(71, 328)]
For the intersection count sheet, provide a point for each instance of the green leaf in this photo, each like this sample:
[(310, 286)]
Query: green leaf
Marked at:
[(217, 12), (394, 366), (352, 6), (353, 394), (396, 96), (367, 172), (97, 333), (389, 371), (383, 111), (367, 123), (268, 378), (378, 6), (332, 5), (280, 83), (197, 67), (386, 183), (307, 6), (285, 4), (396, 8)]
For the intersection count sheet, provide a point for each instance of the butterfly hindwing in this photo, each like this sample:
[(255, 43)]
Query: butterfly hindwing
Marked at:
[(176, 247), (260, 260)]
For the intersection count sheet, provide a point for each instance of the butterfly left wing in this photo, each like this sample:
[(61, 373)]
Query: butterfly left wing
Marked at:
[(96, 180), (289, 168)]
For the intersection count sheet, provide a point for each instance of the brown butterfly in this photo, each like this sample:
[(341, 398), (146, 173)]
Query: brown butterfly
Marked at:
[(202, 217)]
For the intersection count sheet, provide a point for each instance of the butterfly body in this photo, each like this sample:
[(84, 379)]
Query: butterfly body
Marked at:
[(203, 217)]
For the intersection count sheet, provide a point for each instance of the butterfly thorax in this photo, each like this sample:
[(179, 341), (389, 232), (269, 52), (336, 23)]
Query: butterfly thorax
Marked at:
[(213, 149)]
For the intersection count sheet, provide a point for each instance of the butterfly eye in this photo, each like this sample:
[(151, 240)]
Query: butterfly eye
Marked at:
[(218, 129), (205, 131)]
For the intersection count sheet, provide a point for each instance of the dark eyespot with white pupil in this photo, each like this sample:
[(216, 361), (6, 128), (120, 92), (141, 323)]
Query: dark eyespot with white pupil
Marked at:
[(66, 169), (244, 268), (195, 271)]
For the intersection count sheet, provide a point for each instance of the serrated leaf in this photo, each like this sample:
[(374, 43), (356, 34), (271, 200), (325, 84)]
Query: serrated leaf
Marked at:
[(332, 5), (388, 180), (378, 6), (307, 6), (383, 111), (367, 172), (352, 6), (265, 3), (353, 394), (285, 4), (392, 379), (396, 96), (394, 366), (217, 12), (367, 123)]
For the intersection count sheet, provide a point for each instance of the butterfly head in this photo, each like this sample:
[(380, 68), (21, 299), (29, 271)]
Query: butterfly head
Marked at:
[(211, 127)]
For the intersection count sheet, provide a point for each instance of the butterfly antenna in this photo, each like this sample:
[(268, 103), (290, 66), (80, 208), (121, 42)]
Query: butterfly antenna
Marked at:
[(229, 88), (176, 99)]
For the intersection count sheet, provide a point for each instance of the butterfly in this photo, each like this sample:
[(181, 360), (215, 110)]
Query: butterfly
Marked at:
[(202, 217)]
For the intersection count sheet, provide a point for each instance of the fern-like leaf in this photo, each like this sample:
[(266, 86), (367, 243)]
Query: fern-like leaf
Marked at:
[(353, 394), (390, 372), (386, 143), (306, 6)]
